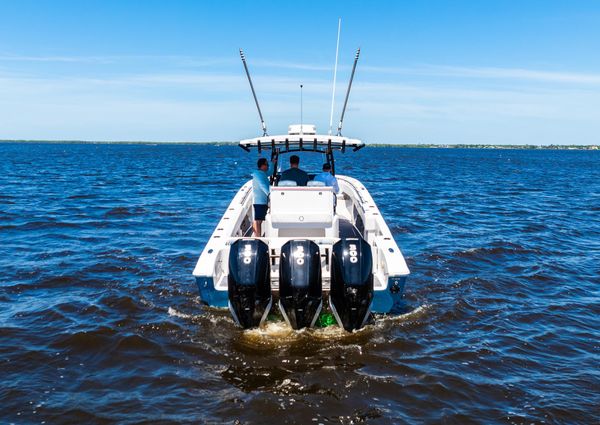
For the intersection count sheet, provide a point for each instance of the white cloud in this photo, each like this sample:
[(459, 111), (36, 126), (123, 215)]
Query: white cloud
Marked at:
[(489, 73), (70, 59), (188, 105), (425, 70)]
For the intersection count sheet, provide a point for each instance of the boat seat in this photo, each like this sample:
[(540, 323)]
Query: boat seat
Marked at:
[(315, 183), (298, 211), (287, 183)]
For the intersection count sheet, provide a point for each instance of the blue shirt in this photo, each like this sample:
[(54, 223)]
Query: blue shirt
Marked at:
[(295, 174), (260, 187), (328, 179)]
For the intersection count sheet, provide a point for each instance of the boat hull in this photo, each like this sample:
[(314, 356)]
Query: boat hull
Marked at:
[(385, 301), (306, 213)]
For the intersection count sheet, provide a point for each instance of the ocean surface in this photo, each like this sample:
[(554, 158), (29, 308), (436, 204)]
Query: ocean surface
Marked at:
[(100, 320)]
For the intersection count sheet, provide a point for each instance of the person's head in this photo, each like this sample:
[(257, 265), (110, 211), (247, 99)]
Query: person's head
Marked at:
[(262, 164), (294, 161), (327, 167)]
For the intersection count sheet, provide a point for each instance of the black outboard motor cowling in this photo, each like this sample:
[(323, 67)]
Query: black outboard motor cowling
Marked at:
[(351, 289), (300, 287), (249, 282)]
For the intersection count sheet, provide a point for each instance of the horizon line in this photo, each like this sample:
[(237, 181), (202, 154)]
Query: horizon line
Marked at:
[(234, 143)]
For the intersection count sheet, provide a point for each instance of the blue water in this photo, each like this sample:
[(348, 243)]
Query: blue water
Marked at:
[(100, 320)]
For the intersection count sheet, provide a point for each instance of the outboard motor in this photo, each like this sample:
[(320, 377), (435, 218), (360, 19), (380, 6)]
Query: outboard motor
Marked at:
[(300, 288), (249, 282), (351, 290)]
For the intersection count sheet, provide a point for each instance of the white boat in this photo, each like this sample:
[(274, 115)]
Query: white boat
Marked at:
[(318, 250)]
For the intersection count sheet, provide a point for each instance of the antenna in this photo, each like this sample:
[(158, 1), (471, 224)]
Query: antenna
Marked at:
[(301, 111), (337, 48), (339, 130), (262, 121)]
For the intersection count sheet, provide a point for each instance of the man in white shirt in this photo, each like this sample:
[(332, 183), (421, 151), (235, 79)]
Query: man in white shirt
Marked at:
[(327, 178)]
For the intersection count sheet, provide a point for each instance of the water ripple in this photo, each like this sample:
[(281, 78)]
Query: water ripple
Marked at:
[(100, 320)]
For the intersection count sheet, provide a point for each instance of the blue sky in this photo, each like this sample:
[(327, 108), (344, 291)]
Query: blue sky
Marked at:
[(497, 72)]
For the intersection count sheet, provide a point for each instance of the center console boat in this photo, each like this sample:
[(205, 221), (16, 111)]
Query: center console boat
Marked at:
[(318, 250)]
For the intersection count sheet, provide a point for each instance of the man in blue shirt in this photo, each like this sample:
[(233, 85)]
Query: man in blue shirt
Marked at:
[(260, 191), (294, 173), (327, 178)]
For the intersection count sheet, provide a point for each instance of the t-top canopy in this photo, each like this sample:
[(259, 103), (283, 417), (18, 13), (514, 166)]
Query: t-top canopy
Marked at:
[(305, 142)]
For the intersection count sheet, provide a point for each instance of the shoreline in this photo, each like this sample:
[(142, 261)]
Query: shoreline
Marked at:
[(369, 145)]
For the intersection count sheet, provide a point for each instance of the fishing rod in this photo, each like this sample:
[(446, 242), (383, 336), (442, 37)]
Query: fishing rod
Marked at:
[(337, 48), (301, 111), (339, 130), (262, 121)]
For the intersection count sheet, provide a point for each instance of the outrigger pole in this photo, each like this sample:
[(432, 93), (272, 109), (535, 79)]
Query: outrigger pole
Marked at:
[(262, 121), (339, 130), (337, 48)]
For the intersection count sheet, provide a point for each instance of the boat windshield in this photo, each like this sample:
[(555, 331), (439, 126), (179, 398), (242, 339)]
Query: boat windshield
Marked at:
[(311, 162), (313, 150)]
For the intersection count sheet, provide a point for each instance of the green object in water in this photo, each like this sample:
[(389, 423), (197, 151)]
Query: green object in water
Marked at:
[(326, 319), (272, 318)]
